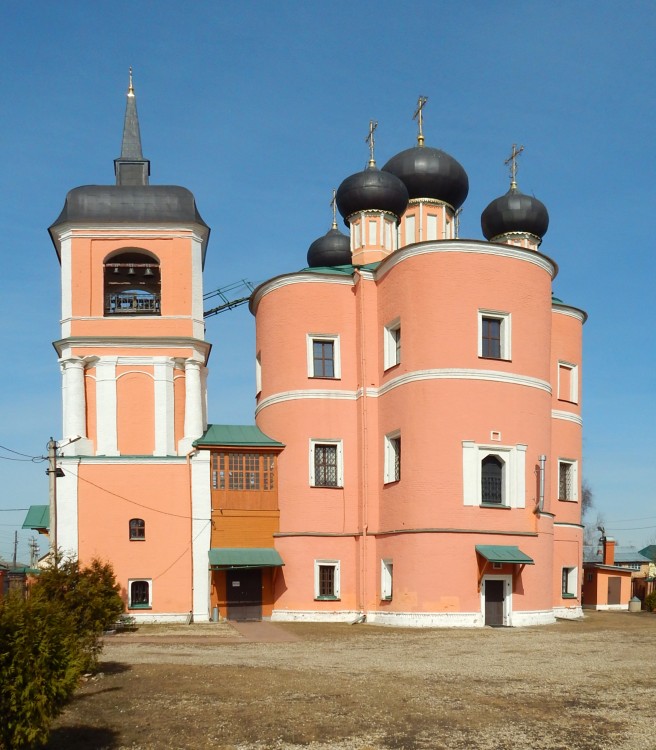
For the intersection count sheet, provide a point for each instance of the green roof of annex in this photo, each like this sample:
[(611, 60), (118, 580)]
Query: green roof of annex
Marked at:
[(236, 435)]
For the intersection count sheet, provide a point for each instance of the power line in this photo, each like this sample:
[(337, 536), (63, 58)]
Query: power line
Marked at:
[(134, 502)]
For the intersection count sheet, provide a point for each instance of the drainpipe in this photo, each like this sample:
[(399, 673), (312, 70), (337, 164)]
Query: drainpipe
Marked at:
[(542, 459), (365, 451)]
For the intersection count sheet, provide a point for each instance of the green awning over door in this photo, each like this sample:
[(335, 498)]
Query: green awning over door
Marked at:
[(504, 553), (225, 558)]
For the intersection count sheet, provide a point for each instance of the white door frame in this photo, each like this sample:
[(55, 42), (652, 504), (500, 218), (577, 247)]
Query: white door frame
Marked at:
[(507, 597)]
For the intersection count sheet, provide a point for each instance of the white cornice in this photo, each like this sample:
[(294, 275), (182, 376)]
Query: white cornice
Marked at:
[(568, 416), (279, 398), (128, 342), (67, 231), (301, 277), (96, 318), (572, 312), (413, 377), (466, 374), (563, 525), (466, 246)]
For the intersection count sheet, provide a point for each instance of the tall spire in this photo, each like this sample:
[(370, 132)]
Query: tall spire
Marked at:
[(131, 168)]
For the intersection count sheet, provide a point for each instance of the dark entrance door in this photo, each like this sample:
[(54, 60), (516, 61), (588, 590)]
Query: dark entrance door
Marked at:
[(614, 589), (494, 603), (244, 594)]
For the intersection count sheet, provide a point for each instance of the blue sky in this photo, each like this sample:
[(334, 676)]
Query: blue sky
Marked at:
[(261, 108)]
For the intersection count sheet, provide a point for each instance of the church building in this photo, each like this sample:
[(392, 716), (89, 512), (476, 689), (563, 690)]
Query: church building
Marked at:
[(416, 453)]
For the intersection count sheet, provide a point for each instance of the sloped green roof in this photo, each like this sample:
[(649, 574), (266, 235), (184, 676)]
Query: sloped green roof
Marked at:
[(649, 551), (225, 558), (38, 517), (238, 435), (504, 553)]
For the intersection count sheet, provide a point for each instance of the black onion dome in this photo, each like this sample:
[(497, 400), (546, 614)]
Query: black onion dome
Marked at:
[(430, 173), (371, 190), (333, 249), (515, 212)]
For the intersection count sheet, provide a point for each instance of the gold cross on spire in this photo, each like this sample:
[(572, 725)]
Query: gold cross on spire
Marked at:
[(419, 116), (370, 140), (512, 160), (333, 203), (130, 86)]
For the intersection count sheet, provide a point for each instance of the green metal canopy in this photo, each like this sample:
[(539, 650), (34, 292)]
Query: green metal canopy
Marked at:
[(238, 435), (38, 517), (225, 558), (504, 553)]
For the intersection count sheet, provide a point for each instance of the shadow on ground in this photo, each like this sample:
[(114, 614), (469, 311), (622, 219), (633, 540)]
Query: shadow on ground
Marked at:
[(82, 738)]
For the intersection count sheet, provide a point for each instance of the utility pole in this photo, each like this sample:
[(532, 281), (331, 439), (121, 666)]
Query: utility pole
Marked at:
[(15, 548), (34, 552), (52, 492)]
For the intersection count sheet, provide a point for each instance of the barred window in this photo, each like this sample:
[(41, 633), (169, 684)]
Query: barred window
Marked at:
[(566, 480), (243, 471), (326, 579), (492, 480), (325, 465), (139, 593)]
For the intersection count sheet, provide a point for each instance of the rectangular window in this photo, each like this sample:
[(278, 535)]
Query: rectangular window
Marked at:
[(569, 583), (431, 227), (386, 575), (326, 579), (410, 230), (568, 382), (323, 356), (326, 463), (392, 457), (258, 375), (139, 594), (493, 334), (567, 480), (372, 232), (240, 472), (357, 236), (392, 344)]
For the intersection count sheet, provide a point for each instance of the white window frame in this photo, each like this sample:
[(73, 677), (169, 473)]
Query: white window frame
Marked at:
[(390, 456), (573, 395), (149, 581), (573, 463), (514, 475), (572, 582), (336, 579), (258, 374), (386, 579), (337, 361), (391, 357), (314, 442), (505, 333)]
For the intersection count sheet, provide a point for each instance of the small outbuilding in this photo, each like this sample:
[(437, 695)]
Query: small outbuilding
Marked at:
[(606, 585)]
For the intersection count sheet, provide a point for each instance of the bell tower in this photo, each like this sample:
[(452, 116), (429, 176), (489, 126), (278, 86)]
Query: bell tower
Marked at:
[(133, 358)]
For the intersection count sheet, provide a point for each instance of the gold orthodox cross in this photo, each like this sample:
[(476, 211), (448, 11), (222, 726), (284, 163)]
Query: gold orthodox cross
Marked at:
[(512, 160), (419, 116), (370, 140)]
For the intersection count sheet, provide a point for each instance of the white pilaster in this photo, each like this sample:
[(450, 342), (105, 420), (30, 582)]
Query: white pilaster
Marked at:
[(107, 432), (67, 511), (201, 527), (74, 407), (193, 421), (164, 407)]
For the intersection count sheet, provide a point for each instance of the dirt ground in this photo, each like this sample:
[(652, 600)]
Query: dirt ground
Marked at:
[(579, 685)]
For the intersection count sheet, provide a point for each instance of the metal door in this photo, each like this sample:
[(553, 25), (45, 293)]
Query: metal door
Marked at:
[(494, 599), (614, 589), (244, 594)]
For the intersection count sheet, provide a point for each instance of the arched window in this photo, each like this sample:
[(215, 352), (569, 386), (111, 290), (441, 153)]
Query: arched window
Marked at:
[(137, 529), (492, 480), (139, 594), (132, 284)]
